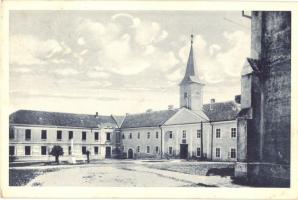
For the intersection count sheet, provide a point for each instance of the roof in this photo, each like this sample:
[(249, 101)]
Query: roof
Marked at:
[(222, 111), (118, 119), (59, 119), (148, 119), (191, 73)]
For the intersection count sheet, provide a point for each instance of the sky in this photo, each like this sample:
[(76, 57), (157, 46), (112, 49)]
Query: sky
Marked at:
[(117, 62)]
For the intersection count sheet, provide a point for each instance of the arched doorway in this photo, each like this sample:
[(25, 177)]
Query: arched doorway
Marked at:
[(130, 154)]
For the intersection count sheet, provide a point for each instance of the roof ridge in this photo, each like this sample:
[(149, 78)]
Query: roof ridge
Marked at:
[(59, 112), (153, 111)]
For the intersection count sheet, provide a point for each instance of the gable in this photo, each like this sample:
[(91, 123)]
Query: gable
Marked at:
[(185, 116)]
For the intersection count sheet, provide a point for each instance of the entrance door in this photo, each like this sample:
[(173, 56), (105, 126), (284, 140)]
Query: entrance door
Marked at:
[(108, 152), (183, 151), (130, 154)]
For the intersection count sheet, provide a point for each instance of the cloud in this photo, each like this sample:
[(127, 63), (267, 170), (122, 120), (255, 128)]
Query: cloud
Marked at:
[(215, 63), (95, 74), (214, 48), (81, 41), (134, 20), (22, 70), (126, 51), (66, 72), (176, 75), (28, 50), (149, 33), (232, 60)]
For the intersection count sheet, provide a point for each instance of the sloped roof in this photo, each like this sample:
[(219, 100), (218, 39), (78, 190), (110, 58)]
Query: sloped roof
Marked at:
[(59, 119), (222, 111), (148, 119), (191, 73), (118, 119)]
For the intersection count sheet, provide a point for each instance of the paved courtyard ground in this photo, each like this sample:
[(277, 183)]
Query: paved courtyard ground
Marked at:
[(115, 173)]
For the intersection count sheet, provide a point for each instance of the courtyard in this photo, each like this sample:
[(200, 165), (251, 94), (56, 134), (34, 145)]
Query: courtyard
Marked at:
[(125, 173)]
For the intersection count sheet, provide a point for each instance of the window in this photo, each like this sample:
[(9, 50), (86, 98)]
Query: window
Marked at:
[(156, 134), (11, 133), (184, 134), (27, 150), (139, 135), (138, 149), (96, 136), (108, 136), (43, 134), (84, 135), (70, 135), (96, 150), (123, 136), (170, 150), (217, 152), (199, 133), (59, 135), (148, 149), (11, 150), (217, 133), (199, 152), (233, 153), (27, 134), (156, 149), (130, 135), (43, 150), (233, 133), (185, 94), (170, 134), (148, 135), (69, 150), (84, 150)]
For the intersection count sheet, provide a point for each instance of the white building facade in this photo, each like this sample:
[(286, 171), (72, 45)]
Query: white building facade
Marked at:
[(193, 131)]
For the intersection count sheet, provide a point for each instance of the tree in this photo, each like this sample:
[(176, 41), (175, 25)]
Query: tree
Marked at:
[(57, 151)]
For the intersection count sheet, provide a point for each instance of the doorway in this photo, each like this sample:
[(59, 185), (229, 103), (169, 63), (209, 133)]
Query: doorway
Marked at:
[(108, 152), (130, 154), (183, 151)]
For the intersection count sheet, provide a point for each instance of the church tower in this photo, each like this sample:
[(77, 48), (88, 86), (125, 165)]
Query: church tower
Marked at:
[(191, 87)]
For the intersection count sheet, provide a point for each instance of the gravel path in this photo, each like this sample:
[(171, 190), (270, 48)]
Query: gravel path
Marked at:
[(126, 175)]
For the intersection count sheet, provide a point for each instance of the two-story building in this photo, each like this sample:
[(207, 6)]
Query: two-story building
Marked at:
[(34, 133), (193, 131)]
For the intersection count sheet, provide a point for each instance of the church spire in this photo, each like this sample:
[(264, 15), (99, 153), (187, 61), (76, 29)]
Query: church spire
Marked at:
[(191, 73)]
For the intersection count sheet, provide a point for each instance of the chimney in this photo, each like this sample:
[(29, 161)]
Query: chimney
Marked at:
[(126, 114), (170, 107), (212, 101), (96, 114), (238, 99), (149, 110)]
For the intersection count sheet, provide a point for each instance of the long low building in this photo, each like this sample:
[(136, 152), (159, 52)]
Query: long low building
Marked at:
[(172, 133), (192, 131), (34, 133)]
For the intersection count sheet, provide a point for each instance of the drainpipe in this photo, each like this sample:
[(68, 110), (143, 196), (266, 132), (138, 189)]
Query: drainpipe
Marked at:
[(211, 141), (161, 149), (202, 152)]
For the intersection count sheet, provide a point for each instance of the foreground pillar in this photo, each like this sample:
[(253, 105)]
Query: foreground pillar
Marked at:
[(264, 119)]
